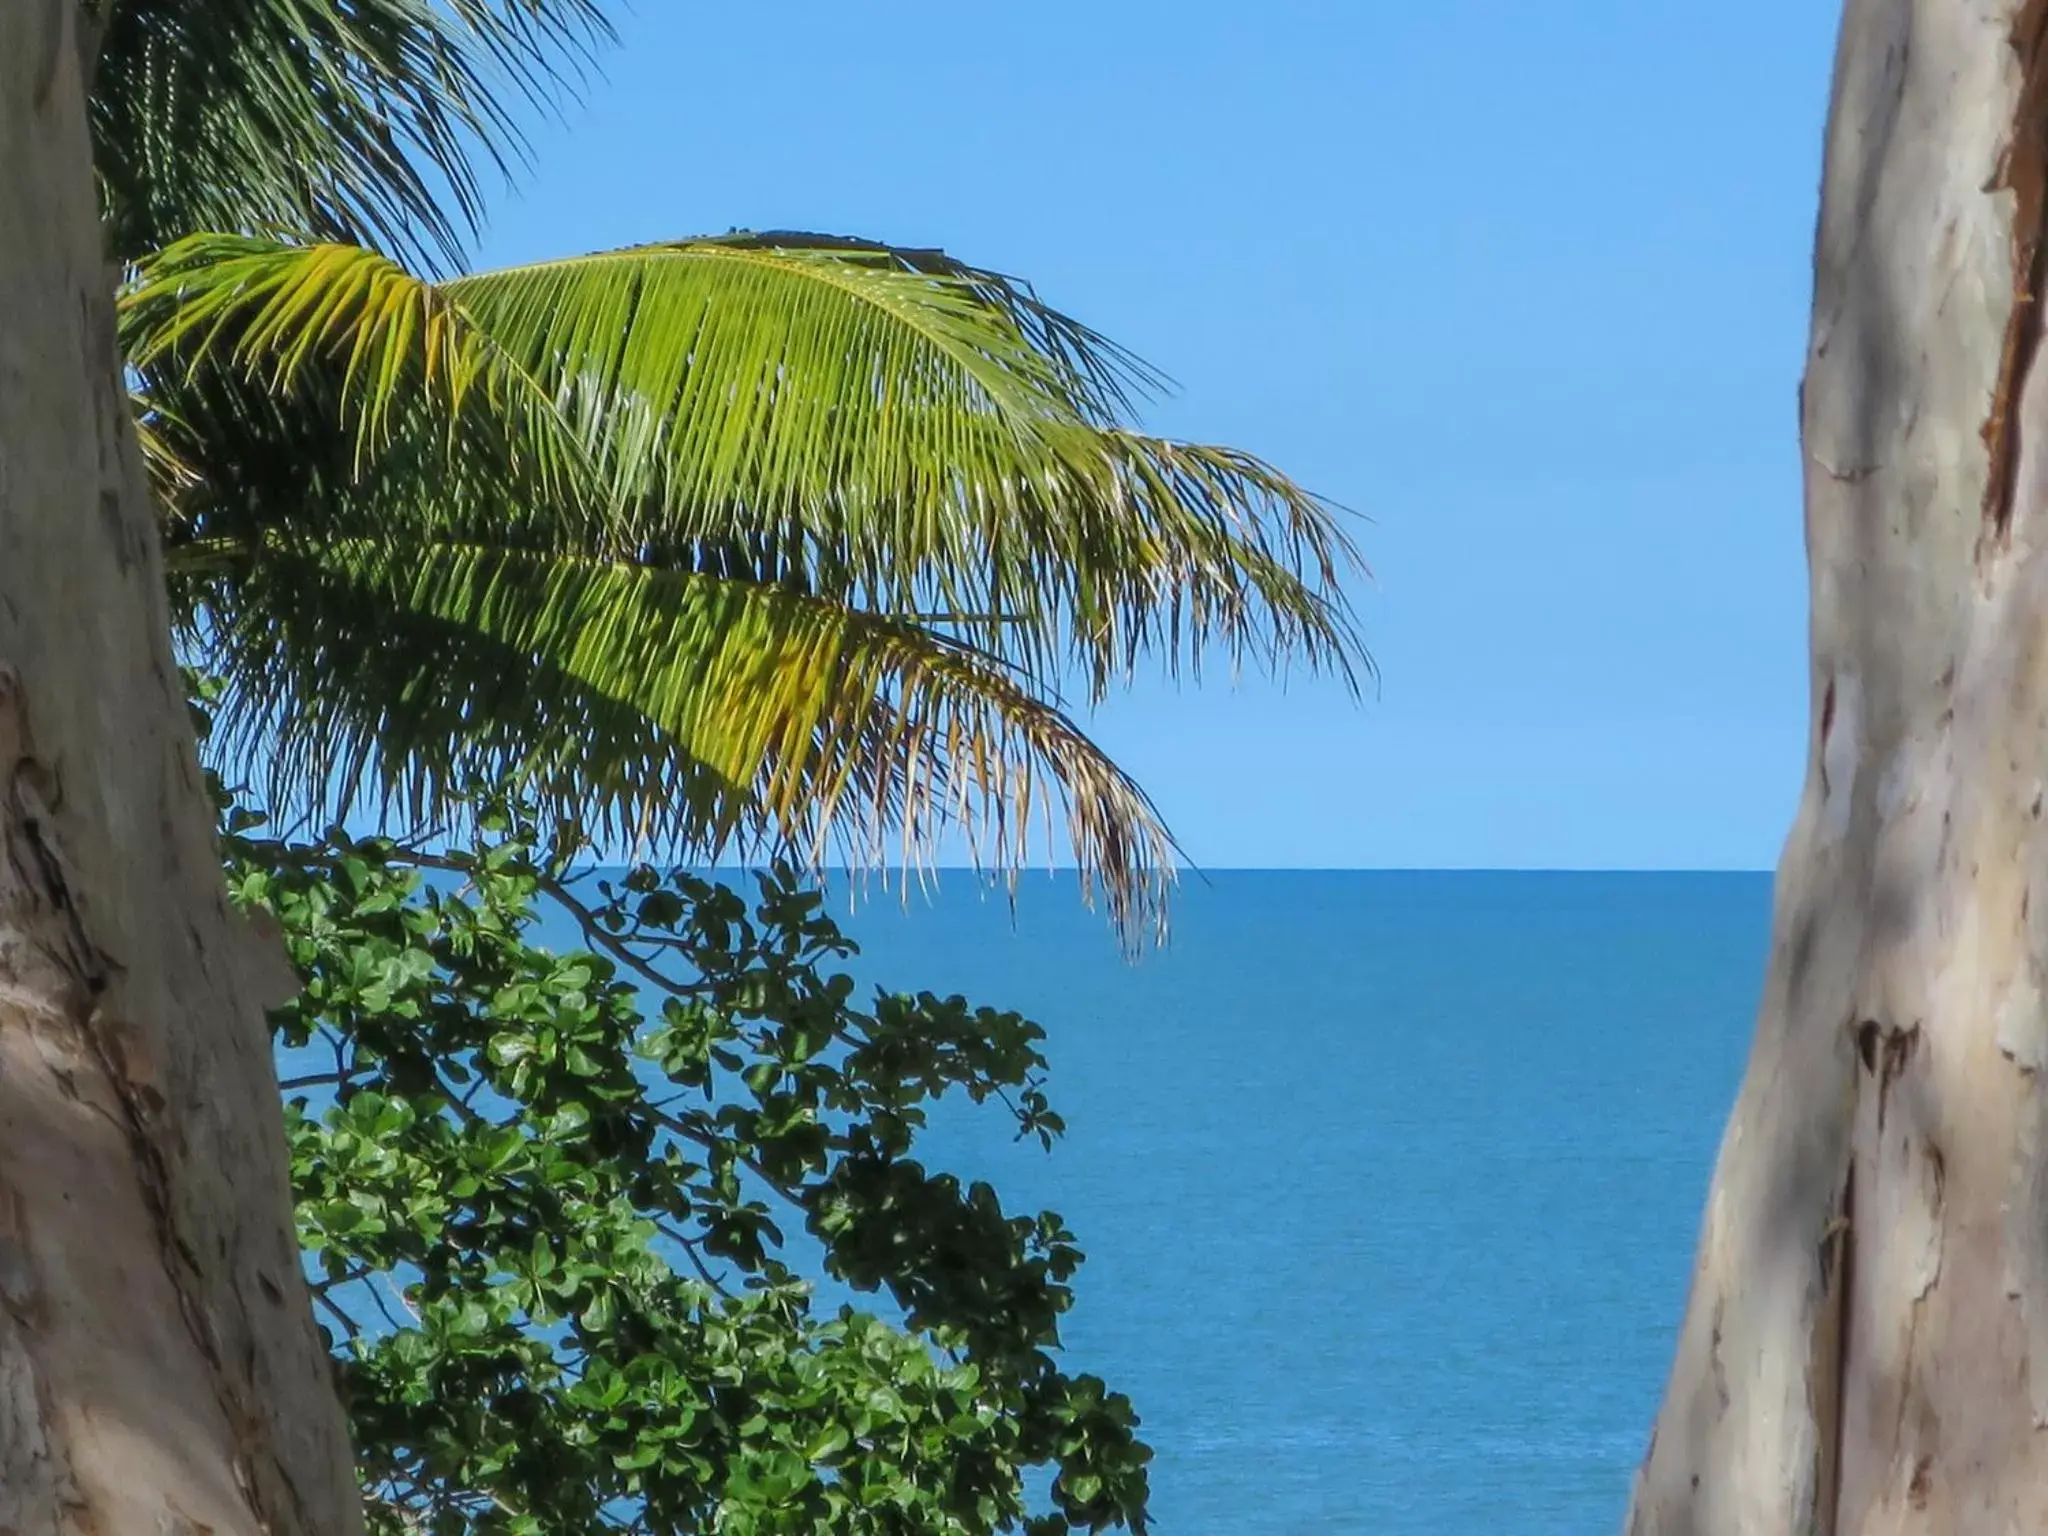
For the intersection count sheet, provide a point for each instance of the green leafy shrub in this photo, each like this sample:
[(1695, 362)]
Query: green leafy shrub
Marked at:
[(561, 1211)]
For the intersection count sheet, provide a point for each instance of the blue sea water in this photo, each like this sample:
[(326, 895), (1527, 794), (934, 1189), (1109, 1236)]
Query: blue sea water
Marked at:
[(1389, 1182)]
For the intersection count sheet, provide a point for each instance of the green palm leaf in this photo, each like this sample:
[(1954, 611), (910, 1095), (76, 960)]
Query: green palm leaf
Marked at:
[(353, 336), (678, 706), (353, 120), (918, 448), (907, 434)]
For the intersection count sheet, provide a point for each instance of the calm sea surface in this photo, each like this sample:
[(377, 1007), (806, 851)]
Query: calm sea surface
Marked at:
[(1388, 1182)]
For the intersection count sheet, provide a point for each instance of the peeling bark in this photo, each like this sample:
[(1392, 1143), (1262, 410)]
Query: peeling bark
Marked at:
[(1865, 1346), (2022, 171), (159, 1369)]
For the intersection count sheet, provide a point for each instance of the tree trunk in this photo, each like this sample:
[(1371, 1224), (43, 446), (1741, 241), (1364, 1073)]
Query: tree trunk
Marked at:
[(1865, 1347), (159, 1369)]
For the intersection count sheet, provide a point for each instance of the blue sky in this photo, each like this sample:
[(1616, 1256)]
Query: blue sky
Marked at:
[(1525, 284)]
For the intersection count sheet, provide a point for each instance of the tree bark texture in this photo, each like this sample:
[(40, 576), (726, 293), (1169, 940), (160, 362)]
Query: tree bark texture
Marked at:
[(159, 1368), (1865, 1345)]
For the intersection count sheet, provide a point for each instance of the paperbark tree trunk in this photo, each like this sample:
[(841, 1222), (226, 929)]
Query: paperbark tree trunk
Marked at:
[(1865, 1347), (159, 1369)]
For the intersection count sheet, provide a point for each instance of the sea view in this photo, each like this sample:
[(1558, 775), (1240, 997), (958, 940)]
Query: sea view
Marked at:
[(1388, 1182), (1454, 482)]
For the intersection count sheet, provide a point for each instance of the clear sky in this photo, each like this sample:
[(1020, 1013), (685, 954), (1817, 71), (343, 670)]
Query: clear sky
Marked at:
[(1524, 283)]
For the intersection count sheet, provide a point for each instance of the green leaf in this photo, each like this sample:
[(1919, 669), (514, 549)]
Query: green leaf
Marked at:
[(505, 1049), (568, 1120), (338, 1216), (830, 1443)]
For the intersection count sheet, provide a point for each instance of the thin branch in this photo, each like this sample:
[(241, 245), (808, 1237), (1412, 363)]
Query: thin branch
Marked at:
[(689, 1247), (377, 1296), (461, 1103), (341, 1045), (349, 1277), (712, 1143), (612, 944), (328, 1305), (586, 919)]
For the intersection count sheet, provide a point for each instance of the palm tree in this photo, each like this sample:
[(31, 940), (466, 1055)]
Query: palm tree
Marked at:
[(758, 539)]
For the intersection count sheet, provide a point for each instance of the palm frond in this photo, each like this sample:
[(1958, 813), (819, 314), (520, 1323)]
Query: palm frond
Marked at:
[(903, 433), (920, 451), (350, 120), (170, 477), (348, 332), (681, 707)]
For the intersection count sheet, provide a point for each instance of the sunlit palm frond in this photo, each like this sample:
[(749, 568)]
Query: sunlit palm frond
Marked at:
[(1162, 551), (581, 456), (682, 707), (816, 369), (904, 433), (347, 342), (357, 120), (926, 435), (170, 476)]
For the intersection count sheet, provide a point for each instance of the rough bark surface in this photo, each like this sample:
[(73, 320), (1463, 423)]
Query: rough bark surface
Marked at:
[(159, 1369), (1865, 1346)]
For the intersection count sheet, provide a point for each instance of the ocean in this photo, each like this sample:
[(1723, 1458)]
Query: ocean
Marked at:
[(1388, 1182)]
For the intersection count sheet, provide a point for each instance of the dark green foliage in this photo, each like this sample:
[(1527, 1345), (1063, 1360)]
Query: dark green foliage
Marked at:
[(374, 121), (556, 1205)]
